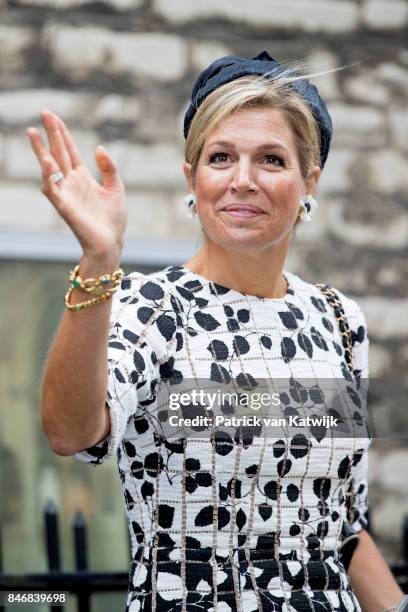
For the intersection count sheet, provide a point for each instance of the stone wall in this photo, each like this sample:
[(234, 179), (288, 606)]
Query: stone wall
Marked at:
[(120, 71)]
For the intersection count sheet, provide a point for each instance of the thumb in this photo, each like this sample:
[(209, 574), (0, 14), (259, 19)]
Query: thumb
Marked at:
[(107, 168)]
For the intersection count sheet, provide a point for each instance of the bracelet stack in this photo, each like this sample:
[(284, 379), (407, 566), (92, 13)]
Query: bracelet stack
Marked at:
[(98, 287)]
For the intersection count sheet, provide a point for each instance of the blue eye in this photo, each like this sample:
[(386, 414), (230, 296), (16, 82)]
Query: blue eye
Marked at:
[(275, 158), (214, 157), (221, 158)]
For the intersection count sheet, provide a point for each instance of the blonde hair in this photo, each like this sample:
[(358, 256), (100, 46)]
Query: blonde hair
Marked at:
[(251, 92)]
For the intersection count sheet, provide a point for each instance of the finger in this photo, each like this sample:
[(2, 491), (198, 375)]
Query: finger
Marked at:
[(58, 149), (108, 169), (36, 143), (50, 188), (50, 166), (70, 145)]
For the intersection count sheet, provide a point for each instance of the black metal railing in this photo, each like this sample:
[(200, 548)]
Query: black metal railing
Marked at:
[(83, 583)]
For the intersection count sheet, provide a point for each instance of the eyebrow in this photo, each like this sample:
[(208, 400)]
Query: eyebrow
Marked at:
[(262, 147)]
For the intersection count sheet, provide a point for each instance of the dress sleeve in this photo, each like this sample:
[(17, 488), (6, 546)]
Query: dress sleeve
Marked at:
[(140, 339), (357, 488)]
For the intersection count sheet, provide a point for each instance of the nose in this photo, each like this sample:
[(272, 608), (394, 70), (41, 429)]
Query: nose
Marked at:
[(243, 178)]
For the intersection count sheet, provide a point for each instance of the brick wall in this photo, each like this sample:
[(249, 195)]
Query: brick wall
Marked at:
[(87, 60)]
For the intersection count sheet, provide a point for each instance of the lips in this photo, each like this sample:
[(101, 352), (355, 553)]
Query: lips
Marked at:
[(242, 211), (243, 208)]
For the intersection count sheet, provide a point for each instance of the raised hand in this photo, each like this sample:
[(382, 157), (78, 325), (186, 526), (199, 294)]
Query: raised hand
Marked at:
[(96, 213)]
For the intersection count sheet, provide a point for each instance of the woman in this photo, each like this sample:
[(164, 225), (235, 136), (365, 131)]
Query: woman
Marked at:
[(217, 523)]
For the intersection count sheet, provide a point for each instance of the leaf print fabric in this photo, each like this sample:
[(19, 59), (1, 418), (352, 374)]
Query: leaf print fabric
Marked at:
[(238, 522)]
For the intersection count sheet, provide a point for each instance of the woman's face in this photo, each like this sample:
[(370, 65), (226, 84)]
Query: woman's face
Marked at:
[(248, 181)]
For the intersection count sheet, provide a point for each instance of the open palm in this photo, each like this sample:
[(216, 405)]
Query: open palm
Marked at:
[(96, 213)]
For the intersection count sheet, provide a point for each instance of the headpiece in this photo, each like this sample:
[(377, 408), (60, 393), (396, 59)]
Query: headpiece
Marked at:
[(230, 67)]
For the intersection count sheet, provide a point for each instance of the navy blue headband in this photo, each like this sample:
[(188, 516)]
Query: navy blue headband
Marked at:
[(230, 67)]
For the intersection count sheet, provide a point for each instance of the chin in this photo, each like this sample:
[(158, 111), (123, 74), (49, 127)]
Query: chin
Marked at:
[(244, 239)]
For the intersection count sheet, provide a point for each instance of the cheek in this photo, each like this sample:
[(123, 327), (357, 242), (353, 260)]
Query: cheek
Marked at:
[(209, 185), (282, 192), (283, 183)]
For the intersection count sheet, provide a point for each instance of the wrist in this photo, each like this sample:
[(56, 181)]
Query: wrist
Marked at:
[(104, 253), (90, 268), (95, 265)]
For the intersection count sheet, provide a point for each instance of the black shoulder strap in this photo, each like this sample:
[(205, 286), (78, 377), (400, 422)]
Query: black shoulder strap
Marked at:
[(335, 302)]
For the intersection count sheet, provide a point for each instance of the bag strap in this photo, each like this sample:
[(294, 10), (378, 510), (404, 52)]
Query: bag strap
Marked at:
[(349, 538), (334, 300)]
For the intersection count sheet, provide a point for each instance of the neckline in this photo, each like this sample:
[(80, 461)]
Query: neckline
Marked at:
[(206, 281)]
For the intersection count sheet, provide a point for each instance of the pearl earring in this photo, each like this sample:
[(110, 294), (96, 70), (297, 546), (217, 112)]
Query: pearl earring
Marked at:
[(307, 208), (190, 202)]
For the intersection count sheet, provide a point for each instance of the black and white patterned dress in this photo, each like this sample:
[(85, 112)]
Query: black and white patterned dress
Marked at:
[(231, 525)]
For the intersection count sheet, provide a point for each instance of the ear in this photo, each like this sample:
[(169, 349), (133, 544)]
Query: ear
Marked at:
[(188, 173), (312, 180)]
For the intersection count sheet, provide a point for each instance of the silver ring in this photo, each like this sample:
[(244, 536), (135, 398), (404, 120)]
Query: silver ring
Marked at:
[(57, 176)]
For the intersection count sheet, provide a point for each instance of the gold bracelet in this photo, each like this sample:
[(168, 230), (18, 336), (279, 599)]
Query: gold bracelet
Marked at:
[(81, 305), (94, 286)]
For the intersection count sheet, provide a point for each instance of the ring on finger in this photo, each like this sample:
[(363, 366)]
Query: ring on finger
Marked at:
[(57, 176)]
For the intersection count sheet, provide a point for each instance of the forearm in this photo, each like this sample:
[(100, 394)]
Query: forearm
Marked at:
[(74, 388), (371, 578)]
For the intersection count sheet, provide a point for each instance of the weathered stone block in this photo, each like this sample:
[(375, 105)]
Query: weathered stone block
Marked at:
[(24, 207), (152, 166), (399, 127), (404, 355), (386, 318), (56, 4), (149, 214), (336, 174), (14, 42), (160, 119), (88, 48), (25, 105), (308, 15), (93, 48), (114, 107), (365, 87), (391, 233), (379, 359), (154, 55), (357, 125), (320, 60), (384, 14), (393, 471), (393, 76), (403, 56), (2, 151), (388, 171), (203, 53), (390, 276), (120, 5)]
